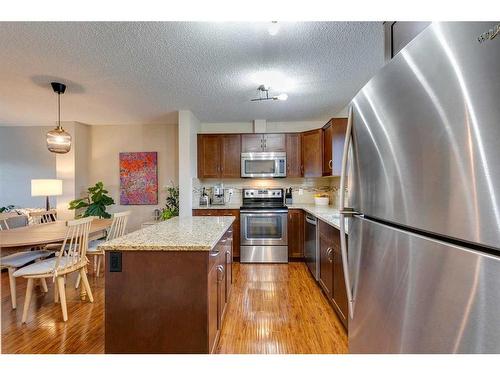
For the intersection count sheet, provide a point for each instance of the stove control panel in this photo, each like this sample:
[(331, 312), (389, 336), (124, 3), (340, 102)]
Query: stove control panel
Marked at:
[(262, 193)]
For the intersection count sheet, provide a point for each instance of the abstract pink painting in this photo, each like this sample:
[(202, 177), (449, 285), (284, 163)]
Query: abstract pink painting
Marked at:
[(138, 178)]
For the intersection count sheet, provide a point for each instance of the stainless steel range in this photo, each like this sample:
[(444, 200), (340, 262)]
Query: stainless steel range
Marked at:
[(264, 234)]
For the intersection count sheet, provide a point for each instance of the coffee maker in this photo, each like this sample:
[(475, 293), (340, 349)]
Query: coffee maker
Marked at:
[(218, 195)]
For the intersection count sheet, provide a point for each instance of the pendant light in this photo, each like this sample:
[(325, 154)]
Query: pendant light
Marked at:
[(58, 140)]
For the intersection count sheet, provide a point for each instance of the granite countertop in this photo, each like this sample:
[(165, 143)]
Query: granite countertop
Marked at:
[(229, 206), (197, 233), (328, 214)]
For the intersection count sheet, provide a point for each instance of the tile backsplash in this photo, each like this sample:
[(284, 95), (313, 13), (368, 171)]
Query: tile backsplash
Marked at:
[(309, 187)]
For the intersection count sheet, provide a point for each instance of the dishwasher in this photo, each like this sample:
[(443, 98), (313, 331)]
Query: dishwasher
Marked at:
[(311, 251)]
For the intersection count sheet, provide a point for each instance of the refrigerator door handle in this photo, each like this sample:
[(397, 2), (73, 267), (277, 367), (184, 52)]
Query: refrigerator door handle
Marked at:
[(345, 212)]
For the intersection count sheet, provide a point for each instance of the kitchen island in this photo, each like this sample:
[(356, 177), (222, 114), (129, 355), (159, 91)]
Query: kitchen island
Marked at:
[(167, 286)]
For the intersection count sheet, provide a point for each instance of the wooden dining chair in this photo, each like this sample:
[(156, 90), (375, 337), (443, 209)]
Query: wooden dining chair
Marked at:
[(117, 229), (71, 258), (17, 260), (41, 217), (3, 221)]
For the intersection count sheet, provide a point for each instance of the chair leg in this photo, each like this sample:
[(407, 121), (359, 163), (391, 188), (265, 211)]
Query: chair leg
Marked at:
[(44, 285), (62, 296), (27, 300), (98, 264), (12, 284), (78, 279), (86, 285), (56, 292)]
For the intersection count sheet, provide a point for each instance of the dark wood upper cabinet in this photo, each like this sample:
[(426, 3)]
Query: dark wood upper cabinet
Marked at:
[(231, 155), (312, 153), (327, 148), (339, 127), (293, 155), (333, 146), (209, 155), (274, 142), (219, 155), (252, 143), (295, 234), (266, 142)]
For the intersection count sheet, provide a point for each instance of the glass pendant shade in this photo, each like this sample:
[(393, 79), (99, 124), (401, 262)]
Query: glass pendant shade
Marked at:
[(58, 141)]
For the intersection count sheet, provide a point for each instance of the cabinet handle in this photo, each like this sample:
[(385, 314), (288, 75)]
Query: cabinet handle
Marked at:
[(220, 273), (329, 254), (330, 164)]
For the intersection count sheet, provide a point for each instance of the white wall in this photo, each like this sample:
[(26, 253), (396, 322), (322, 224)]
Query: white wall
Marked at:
[(189, 127), (107, 141), (23, 157)]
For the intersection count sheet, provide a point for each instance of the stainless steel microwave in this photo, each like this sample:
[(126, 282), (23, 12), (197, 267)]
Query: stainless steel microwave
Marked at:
[(263, 164)]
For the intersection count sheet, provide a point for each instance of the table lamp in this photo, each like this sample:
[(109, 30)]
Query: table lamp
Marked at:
[(46, 188)]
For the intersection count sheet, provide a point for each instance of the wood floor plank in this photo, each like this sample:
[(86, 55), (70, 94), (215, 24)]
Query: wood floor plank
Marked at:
[(45, 331), (279, 309), (274, 308)]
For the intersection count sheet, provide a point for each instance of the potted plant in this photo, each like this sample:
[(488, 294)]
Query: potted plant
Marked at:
[(172, 203), (94, 203)]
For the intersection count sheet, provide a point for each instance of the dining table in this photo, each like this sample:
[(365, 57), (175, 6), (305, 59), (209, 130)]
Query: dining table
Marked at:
[(18, 239), (33, 236)]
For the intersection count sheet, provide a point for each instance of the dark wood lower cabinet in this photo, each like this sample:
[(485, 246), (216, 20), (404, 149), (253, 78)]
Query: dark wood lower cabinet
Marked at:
[(168, 301), (331, 270), (295, 234), (236, 224)]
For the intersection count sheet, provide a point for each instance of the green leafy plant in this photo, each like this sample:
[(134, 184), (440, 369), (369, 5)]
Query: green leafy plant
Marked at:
[(172, 203), (94, 203)]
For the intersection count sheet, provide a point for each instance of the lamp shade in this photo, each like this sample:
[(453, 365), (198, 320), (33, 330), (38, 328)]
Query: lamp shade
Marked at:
[(46, 187)]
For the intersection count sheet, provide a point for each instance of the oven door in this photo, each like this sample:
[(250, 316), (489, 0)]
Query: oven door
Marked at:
[(264, 228), (263, 164)]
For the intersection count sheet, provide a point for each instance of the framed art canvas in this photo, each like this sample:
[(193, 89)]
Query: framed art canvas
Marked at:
[(138, 178)]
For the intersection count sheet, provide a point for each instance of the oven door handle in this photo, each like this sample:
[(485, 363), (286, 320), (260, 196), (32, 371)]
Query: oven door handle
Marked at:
[(263, 212)]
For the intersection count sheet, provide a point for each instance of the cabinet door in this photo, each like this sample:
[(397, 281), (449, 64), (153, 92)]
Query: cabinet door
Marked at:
[(221, 292), (274, 142), (325, 265), (203, 212), (212, 309), (229, 263), (339, 291), (312, 153), (339, 127), (295, 234), (231, 155), (293, 155), (327, 149), (252, 143), (209, 155)]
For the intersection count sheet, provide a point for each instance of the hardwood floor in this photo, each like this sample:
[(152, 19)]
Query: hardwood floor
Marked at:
[(45, 331), (274, 308), (279, 309)]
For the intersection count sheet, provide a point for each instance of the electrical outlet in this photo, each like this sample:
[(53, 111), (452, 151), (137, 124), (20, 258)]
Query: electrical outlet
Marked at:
[(301, 191)]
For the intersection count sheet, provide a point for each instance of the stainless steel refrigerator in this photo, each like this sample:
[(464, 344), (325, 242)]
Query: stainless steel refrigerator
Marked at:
[(422, 259)]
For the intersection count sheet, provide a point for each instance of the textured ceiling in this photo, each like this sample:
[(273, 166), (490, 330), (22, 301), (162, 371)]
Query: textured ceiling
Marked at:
[(121, 73)]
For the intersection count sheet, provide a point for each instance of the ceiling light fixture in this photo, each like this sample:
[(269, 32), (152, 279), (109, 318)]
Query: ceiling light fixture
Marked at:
[(273, 28), (264, 95), (58, 140)]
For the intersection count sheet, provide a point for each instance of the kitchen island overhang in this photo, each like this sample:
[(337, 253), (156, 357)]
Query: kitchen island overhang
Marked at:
[(167, 286)]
